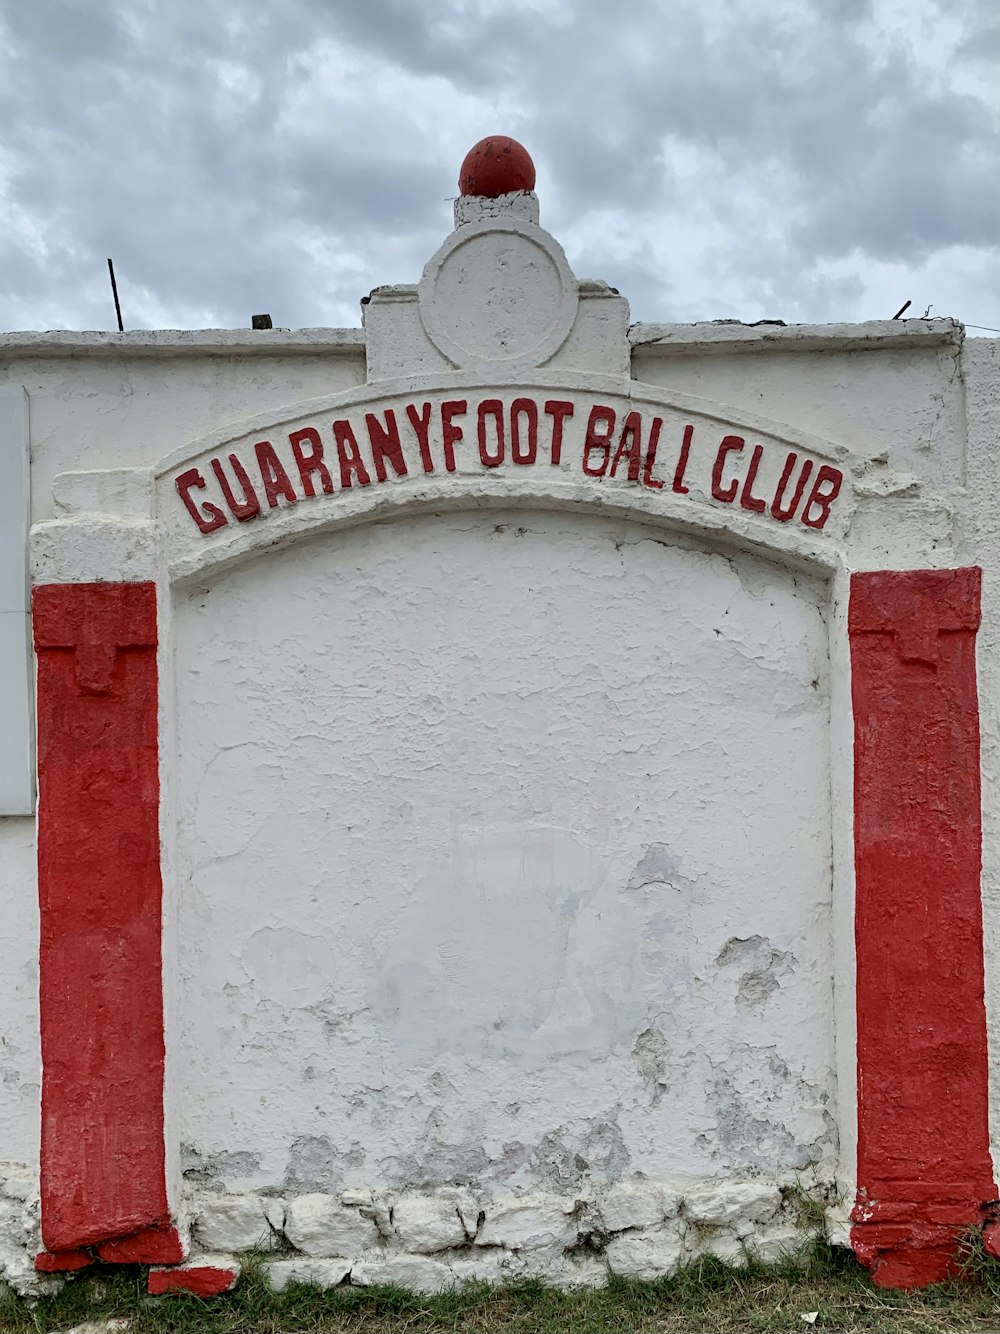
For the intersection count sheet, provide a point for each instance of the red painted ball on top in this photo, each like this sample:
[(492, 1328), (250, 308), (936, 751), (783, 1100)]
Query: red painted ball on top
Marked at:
[(496, 166)]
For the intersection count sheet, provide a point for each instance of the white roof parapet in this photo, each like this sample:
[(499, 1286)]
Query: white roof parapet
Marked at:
[(646, 339), (185, 343), (731, 336)]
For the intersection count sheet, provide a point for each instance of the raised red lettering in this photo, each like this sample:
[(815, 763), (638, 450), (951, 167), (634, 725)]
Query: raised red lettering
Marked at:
[(682, 463), (747, 498), (598, 441), (312, 462), (272, 474), (558, 410), (349, 454), (731, 444), (249, 506), (825, 491), (783, 515), (632, 433), (451, 434), (421, 423), (527, 408), (211, 517), (648, 479), (385, 444), (491, 407)]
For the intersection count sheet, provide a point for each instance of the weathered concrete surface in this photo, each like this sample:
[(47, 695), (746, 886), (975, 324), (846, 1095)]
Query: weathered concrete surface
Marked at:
[(453, 939)]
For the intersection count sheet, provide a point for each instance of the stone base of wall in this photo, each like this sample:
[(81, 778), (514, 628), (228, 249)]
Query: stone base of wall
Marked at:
[(20, 1234), (429, 1241)]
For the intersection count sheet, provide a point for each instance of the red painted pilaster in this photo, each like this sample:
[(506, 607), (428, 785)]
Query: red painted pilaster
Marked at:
[(924, 1168), (102, 1168)]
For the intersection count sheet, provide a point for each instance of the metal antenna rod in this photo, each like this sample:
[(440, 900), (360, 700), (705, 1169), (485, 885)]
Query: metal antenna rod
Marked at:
[(114, 289)]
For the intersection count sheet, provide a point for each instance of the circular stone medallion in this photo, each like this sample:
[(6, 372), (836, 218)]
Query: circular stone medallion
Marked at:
[(498, 294)]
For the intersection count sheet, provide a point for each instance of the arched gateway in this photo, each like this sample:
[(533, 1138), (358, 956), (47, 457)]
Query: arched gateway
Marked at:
[(509, 802)]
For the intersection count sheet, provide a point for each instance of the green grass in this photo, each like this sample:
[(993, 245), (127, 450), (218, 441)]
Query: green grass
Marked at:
[(705, 1296)]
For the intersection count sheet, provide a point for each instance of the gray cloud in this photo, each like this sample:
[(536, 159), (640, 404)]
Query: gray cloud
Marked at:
[(804, 159)]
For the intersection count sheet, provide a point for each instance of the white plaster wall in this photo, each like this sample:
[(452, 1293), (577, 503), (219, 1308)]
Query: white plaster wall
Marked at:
[(908, 401), (505, 857), (94, 412), (20, 1054), (114, 410), (130, 411), (979, 544)]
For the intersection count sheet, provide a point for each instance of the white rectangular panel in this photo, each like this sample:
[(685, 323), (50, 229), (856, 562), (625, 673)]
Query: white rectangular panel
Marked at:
[(16, 733)]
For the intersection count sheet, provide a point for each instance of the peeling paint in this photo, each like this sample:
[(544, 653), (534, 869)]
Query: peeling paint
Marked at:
[(764, 1113), (314, 1163), (762, 968), (212, 1170), (652, 1059)]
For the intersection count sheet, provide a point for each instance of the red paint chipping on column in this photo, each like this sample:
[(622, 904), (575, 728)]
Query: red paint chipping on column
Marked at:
[(497, 165), (102, 1165), (154, 1246), (62, 1262), (924, 1168), (202, 1280)]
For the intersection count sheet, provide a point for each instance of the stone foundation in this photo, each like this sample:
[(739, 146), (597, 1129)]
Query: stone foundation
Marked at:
[(429, 1241)]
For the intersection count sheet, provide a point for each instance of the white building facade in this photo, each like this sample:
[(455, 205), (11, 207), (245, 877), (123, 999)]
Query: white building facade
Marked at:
[(498, 792)]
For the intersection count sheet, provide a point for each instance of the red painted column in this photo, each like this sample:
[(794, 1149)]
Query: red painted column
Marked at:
[(924, 1168), (102, 1167)]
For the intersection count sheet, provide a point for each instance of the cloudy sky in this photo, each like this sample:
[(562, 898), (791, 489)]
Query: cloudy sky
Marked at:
[(808, 160)]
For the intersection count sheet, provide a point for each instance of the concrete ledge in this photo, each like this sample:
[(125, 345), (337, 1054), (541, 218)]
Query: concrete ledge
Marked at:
[(185, 343), (723, 336), (646, 339)]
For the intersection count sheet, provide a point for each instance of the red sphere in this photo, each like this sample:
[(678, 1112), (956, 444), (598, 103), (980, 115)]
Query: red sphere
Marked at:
[(496, 166)]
